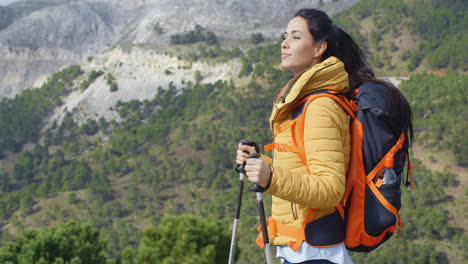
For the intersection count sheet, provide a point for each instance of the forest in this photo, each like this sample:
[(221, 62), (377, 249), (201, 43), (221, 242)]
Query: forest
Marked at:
[(160, 184), (437, 33)]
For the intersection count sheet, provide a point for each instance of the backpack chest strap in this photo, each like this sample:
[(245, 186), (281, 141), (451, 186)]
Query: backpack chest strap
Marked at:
[(281, 147), (297, 125)]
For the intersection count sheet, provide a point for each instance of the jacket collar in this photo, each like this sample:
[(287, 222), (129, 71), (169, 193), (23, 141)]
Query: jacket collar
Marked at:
[(330, 74), (327, 75)]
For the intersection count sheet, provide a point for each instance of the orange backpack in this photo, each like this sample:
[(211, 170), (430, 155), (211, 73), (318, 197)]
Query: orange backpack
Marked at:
[(368, 208)]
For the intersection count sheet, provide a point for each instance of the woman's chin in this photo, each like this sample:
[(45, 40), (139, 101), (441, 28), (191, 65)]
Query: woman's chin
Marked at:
[(285, 66)]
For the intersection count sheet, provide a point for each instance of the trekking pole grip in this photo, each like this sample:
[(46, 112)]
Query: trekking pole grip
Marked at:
[(240, 168), (255, 187)]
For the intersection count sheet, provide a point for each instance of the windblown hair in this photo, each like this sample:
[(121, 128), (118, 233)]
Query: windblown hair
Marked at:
[(342, 46)]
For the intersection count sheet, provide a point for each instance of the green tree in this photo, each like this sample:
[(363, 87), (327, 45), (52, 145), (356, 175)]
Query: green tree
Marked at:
[(197, 76), (158, 29), (67, 243), (192, 240), (81, 175), (211, 38), (256, 38), (90, 127), (246, 68), (91, 78), (128, 256), (72, 198), (19, 172), (111, 82), (26, 203), (4, 182)]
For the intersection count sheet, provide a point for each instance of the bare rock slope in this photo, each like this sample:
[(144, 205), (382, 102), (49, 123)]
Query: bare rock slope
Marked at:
[(38, 37)]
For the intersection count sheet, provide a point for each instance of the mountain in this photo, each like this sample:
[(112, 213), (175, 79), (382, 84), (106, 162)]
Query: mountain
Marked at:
[(82, 25), (39, 37)]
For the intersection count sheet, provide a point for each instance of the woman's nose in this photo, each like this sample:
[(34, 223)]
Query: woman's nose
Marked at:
[(284, 44)]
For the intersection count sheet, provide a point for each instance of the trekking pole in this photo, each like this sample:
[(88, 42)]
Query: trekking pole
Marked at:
[(241, 170), (261, 211)]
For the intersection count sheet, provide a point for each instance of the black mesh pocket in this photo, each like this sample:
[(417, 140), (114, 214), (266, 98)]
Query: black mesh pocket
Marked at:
[(376, 217), (392, 193)]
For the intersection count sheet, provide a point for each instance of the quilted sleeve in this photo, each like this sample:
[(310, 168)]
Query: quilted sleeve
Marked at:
[(326, 141), (267, 159)]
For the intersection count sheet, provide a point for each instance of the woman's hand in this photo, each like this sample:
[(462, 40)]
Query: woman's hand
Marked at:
[(242, 152), (258, 171)]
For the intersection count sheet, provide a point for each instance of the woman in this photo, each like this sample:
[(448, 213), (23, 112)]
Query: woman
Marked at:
[(306, 192)]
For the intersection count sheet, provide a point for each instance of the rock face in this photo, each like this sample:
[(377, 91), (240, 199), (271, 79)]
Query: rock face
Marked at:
[(139, 73), (227, 18), (38, 37), (78, 26), (22, 68)]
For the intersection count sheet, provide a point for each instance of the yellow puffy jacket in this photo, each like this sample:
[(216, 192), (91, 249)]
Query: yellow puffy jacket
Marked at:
[(295, 187)]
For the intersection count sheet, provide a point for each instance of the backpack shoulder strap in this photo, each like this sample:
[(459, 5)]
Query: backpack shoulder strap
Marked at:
[(349, 106), (297, 125)]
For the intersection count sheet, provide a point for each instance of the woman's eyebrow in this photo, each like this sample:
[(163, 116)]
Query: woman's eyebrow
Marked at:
[(294, 31)]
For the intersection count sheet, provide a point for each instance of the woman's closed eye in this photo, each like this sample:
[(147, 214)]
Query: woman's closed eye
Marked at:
[(294, 37)]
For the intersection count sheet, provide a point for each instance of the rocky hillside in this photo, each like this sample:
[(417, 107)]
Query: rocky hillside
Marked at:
[(39, 37), (139, 72)]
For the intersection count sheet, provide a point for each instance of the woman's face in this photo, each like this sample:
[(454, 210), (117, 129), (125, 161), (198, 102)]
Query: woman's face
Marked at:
[(298, 49)]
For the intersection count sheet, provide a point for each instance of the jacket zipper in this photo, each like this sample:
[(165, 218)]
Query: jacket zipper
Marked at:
[(294, 211)]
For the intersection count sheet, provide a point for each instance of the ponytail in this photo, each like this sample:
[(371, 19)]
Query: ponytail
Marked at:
[(342, 46)]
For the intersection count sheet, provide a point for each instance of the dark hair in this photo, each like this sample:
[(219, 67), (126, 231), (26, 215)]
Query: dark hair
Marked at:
[(342, 46)]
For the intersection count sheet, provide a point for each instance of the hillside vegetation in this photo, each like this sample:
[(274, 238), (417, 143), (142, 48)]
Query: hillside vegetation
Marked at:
[(403, 36), (160, 184)]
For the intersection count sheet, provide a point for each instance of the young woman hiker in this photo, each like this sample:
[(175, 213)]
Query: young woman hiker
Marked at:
[(307, 225)]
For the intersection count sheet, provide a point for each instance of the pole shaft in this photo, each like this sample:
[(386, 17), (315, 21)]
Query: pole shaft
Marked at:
[(233, 242), (269, 260), (239, 195), (261, 212), (236, 219)]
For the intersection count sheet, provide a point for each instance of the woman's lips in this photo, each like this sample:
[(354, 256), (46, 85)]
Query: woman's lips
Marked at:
[(285, 55)]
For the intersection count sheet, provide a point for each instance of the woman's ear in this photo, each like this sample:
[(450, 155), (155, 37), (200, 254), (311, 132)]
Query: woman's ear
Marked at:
[(321, 48)]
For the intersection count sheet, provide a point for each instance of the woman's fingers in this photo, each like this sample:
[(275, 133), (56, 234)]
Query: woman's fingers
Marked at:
[(241, 157), (252, 165), (247, 148), (258, 171), (242, 152)]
